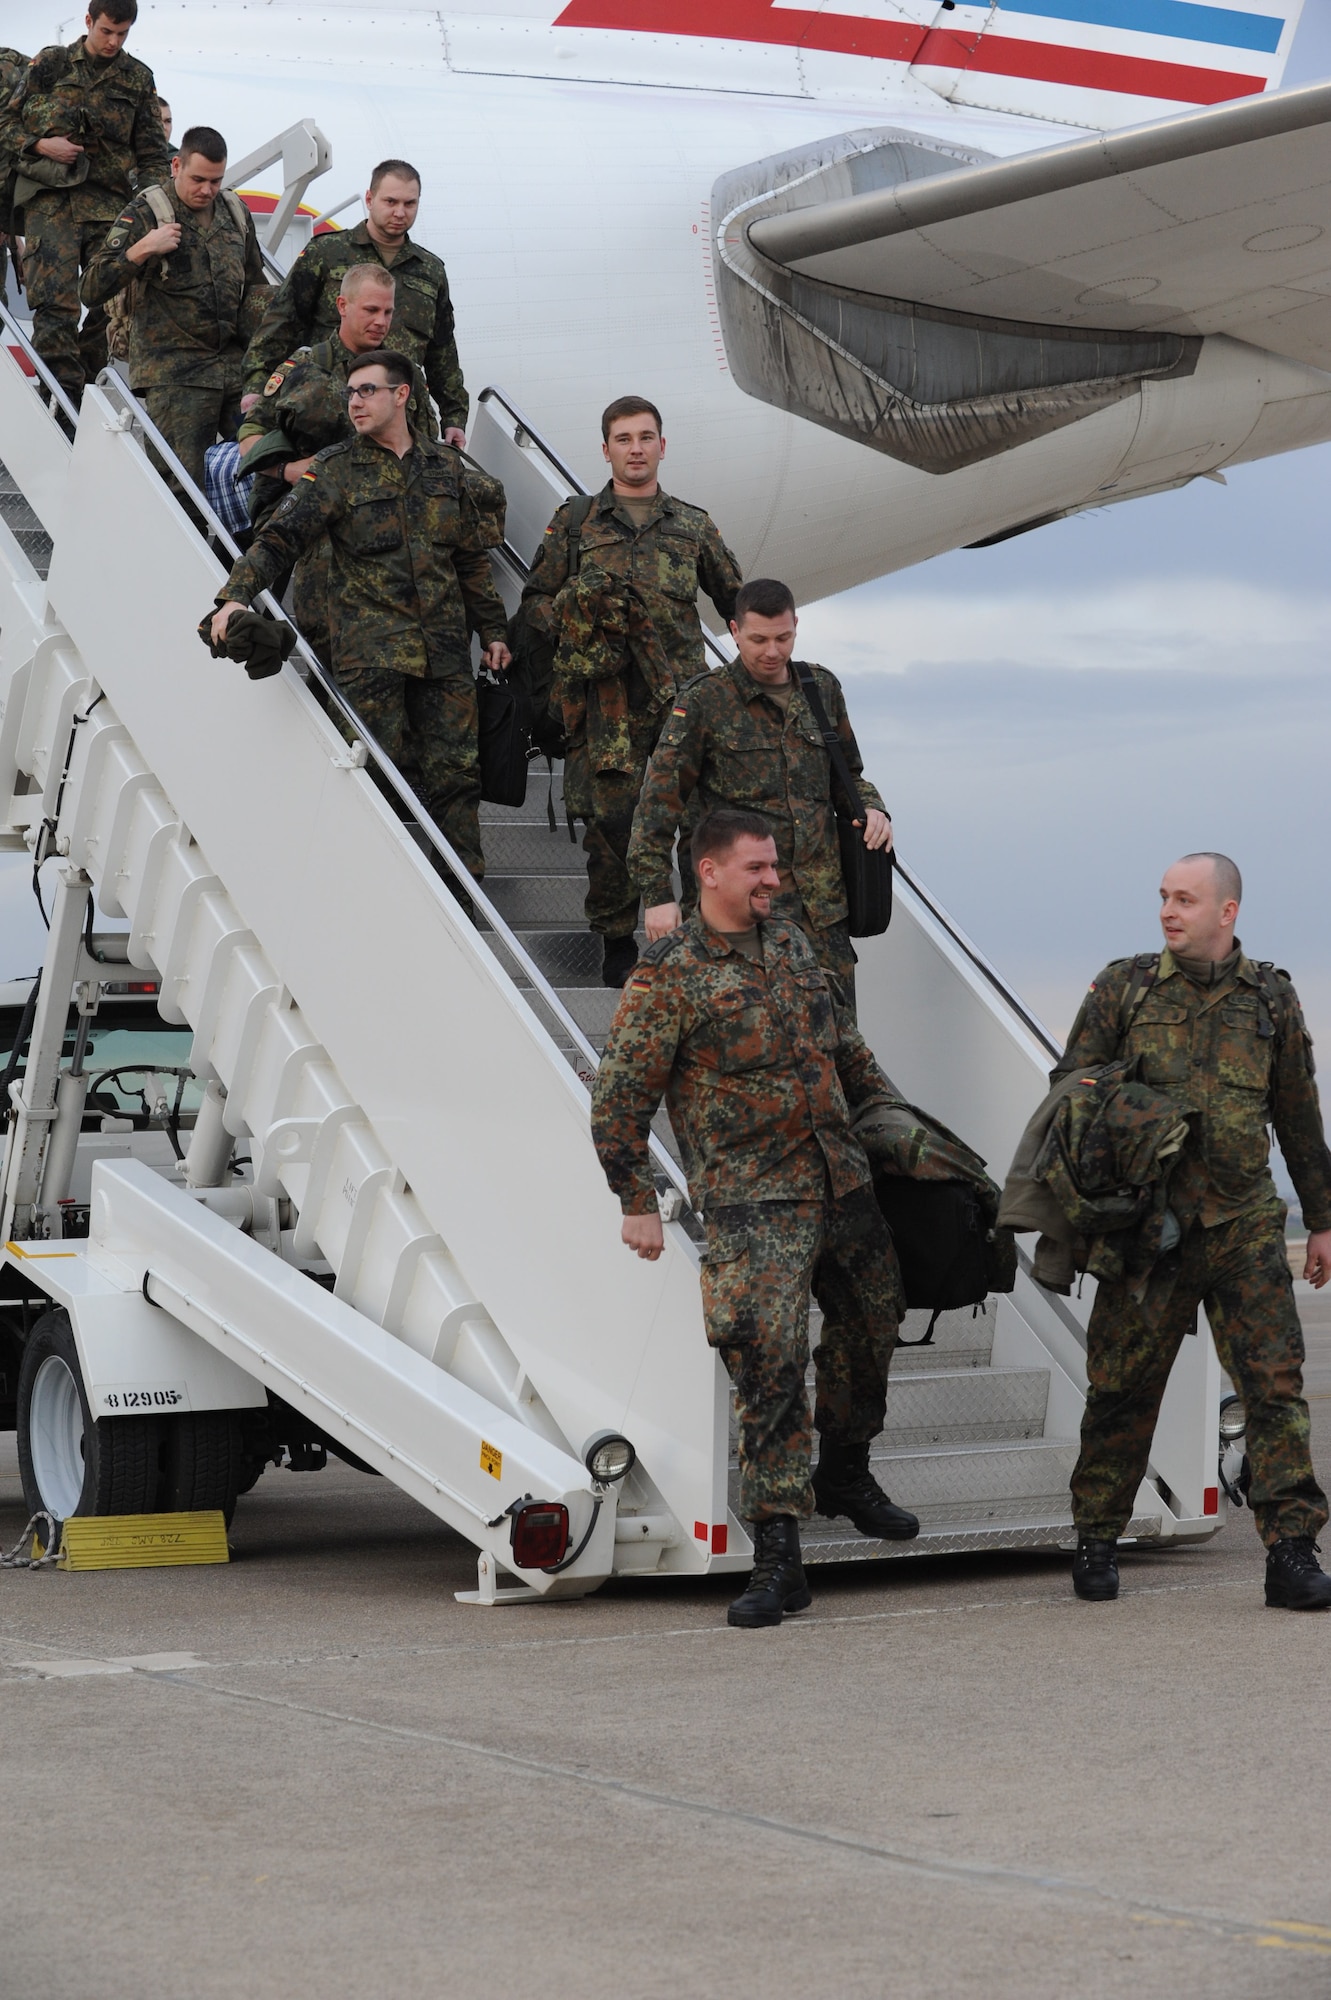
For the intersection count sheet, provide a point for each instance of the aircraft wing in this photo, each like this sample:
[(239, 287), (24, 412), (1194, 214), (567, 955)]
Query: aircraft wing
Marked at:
[(1215, 221)]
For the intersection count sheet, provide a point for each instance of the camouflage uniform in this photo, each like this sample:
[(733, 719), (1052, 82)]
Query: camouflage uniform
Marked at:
[(758, 1065), (303, 311), (622, 611), (191, 317), (13, 67), (728, 742), (305, 399), (409, 581), (1221, 1054), (108, 105)]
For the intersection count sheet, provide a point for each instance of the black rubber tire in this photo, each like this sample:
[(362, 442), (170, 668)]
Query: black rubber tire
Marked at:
[(203, 1463), (120, 1454)]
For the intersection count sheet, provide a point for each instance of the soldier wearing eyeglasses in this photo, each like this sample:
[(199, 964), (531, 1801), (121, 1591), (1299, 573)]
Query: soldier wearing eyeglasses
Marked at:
[(409, 582)]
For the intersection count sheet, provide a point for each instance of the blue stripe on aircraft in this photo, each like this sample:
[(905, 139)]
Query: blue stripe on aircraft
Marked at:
[(1184, 20)]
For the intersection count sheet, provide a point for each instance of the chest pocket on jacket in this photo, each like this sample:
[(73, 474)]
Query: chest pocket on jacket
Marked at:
[(413, 308), (440, 504), (815, 1021), (739, 1037), (1161, 1035), (677, 563), (373, 528), (739, 768), (113, 112), (1244, 1045)]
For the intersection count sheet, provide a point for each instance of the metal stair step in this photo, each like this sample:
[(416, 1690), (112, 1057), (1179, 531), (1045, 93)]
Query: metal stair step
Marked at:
[(539, 902), (960, 1406)]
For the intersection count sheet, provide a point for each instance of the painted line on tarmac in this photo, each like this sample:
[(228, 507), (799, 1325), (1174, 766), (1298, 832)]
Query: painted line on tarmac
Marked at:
[(1275, 1932), (805, 1622)]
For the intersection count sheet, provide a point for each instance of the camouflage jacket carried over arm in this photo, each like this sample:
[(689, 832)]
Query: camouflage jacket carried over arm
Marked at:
[(726, 743), (1222, 1055), (107, 106), (303, 311), (759, 1066), (675, 553), (409, 564), (194, 310)]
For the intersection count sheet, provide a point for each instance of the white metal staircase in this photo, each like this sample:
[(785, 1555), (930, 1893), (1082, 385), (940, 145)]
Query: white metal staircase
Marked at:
[(428, 1263)]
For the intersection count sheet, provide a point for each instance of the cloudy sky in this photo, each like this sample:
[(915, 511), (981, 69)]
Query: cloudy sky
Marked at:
[(1055, 719)]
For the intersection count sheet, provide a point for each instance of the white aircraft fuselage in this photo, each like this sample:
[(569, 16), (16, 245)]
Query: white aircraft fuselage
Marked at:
[(567, 181)]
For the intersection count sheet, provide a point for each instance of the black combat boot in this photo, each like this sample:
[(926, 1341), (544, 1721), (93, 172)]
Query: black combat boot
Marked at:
[(1095, 1570), (777, 1584), (843, 1484), (619, 955), (1295, 1580)]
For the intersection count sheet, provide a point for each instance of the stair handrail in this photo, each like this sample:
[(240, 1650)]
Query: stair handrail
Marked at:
[(111, 385), (16, 335)]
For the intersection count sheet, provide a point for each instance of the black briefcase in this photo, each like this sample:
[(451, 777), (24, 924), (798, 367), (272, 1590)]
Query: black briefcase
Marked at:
[(865, 871), (503, 715)]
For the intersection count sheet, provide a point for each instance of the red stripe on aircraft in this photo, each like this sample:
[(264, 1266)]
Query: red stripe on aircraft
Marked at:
[(847, 34)]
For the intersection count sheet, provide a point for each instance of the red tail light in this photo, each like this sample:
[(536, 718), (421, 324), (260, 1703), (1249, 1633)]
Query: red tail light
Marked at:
[(540, 1534)]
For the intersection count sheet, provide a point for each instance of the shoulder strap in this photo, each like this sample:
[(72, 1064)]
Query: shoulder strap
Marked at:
[(829, 736), (1267, 973), (159, 201), (1145, 967), (236, 209), (579, 507)]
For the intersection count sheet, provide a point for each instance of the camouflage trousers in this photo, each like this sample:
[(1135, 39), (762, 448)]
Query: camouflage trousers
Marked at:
[(763, 1260), (57, 248), (192, 419), (1239, 1272), (428, 729), (607, 801)]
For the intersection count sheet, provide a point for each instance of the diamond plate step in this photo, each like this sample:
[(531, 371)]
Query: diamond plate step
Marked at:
[(544, 902), (23, 524), (964, 1406), (835, 1541)]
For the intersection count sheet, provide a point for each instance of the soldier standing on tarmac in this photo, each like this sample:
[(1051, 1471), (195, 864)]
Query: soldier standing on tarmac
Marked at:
[(746, 736), (614, 587), (731, 1018), (84, 130), (303, 310), (409, 581), (188, 256), (1225, 1038), (304, 407)]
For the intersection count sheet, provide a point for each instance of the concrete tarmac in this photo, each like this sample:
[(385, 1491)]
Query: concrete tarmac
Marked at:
[(948, 1778)]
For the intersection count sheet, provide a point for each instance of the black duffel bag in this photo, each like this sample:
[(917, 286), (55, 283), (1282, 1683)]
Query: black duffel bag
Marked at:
[(866, 871), (503, 718)]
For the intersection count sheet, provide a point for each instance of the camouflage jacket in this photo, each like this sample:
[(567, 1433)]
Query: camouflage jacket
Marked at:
[(303, 311), (106, 105), (727, 742), (409, 572), (1220, 1055), (193, 311), (675, 553), (13, 68), (759, 1066)]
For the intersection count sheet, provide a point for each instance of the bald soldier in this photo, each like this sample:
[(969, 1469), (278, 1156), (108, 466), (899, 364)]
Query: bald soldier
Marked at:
[(1225, 1038)]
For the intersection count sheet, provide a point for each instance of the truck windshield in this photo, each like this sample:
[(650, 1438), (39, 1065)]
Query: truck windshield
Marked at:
[(128, 1044)]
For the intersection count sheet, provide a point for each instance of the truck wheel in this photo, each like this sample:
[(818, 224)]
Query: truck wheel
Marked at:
[(202, 1463), (69, 1461)]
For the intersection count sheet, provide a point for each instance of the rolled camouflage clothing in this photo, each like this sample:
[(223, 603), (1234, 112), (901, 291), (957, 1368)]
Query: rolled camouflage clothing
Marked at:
[(621, 607), (303, 312), (1235, 1055), (759, 1064), (728, 742), (107, 105)]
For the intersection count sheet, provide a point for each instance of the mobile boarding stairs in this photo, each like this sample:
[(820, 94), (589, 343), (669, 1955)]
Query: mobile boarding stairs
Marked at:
[(390, 1227)]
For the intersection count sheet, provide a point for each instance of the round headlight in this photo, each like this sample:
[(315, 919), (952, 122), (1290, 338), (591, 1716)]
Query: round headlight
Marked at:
[(1233, 1419), (609, 1457)]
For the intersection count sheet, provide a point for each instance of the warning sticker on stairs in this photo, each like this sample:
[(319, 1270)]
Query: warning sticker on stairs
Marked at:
[(492, 1460)]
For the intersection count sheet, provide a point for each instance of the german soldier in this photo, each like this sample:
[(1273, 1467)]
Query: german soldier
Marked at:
[(409, 581), (1226, 1039), (198, 291), (304, 408), (303, 310), (13, 68), (84, 128), (731, 1018), (746, 736), (619, 601)]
